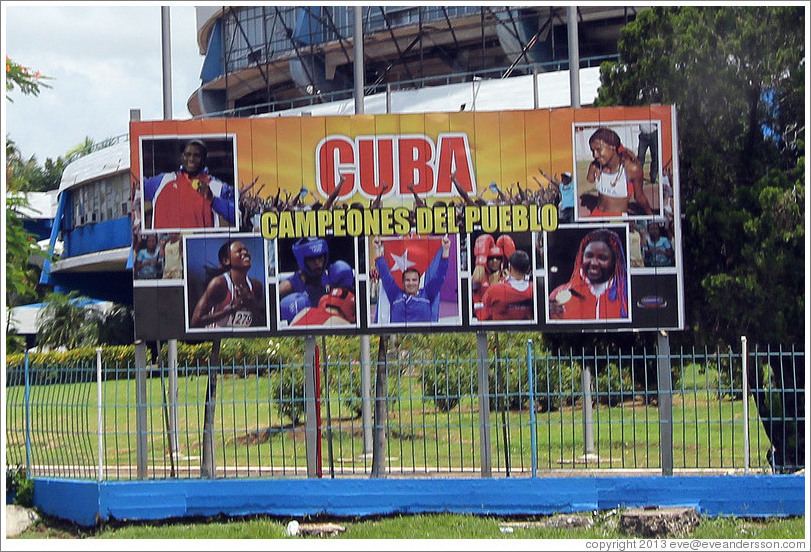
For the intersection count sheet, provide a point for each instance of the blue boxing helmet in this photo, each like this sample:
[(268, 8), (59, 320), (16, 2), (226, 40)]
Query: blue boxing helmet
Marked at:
[(292, 304), (310, 247), (341, 275)]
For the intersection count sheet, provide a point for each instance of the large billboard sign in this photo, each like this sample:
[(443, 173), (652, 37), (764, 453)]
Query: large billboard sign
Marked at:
[(552, 220)]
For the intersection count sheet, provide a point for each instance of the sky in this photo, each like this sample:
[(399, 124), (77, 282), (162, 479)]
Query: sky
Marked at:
[(104, 59)]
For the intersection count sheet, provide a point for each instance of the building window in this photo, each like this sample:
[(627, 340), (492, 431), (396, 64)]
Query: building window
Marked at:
[(101, 200), (258, 33)]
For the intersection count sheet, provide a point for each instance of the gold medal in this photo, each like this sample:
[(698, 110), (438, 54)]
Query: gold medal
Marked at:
[(563, 297)]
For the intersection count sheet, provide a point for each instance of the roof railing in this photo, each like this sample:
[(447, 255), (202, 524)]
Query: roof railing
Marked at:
[(412, 84)]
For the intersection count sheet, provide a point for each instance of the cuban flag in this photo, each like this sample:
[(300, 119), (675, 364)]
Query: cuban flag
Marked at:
[(412, 251)]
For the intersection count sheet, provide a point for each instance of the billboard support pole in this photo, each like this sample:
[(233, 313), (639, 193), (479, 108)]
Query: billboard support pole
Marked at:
[(208, 468), (310, 421), (174, 442), (388, 97), (365, 353), (357, 50), (665, 402), (140, 407), (366, 392), (171, 345), (536, 101), (532, 435), (574, 55), (484, 405), (166, 61)]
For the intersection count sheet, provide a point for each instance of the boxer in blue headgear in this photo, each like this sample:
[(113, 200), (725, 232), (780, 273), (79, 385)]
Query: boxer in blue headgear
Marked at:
[(315, 276), (312, 255)]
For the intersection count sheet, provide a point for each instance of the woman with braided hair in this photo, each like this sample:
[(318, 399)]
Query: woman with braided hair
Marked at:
[(616, 173), (598, 287)]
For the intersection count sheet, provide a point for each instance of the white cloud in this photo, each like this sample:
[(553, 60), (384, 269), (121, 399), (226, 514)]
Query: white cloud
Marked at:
[(104, 60)]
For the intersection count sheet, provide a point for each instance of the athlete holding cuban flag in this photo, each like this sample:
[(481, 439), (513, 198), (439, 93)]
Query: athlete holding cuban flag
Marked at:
[(410, 303)]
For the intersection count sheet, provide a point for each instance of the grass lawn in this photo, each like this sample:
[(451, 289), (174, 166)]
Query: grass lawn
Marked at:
[(604, 525)]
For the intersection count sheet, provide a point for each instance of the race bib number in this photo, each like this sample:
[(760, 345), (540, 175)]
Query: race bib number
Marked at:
[(242, 319)]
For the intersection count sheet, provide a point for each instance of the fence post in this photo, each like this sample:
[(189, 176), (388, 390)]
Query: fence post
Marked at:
[(484, 405), (100, 414), (665, 390), (310, 421), (27, 417), (140, 407), (588, 414), (532, 436), (745, 385)]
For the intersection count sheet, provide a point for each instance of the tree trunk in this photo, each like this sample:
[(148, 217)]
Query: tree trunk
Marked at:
[(207, 467), (381, 411)]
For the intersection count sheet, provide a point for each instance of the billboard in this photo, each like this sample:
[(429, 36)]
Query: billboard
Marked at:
[(551, 220)]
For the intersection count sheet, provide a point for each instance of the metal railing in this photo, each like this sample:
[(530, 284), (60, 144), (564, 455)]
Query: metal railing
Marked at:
[(727, 415), (370, 89)]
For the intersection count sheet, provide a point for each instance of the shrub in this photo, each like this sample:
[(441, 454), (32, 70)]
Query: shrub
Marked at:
[(20, 486), (556, 384), (730, 378), (509, 383), (613, 385), (446, 381), (288, 383), (446, 364), (345, 384)]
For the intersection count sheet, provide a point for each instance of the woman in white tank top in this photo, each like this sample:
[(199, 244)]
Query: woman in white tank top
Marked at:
[(617, 175)]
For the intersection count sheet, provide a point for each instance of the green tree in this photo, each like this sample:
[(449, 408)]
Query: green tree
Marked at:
[(28, 81), (773, 244), (118, 327), (27, 175), (735, 75), (80, 150), (63, 322), (21, 278)]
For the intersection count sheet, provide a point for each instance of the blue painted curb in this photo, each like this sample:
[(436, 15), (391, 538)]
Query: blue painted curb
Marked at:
[(89, 502)]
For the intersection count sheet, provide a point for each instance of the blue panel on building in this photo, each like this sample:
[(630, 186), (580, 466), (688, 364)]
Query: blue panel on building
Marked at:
[(213, 66), (100, 236)]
